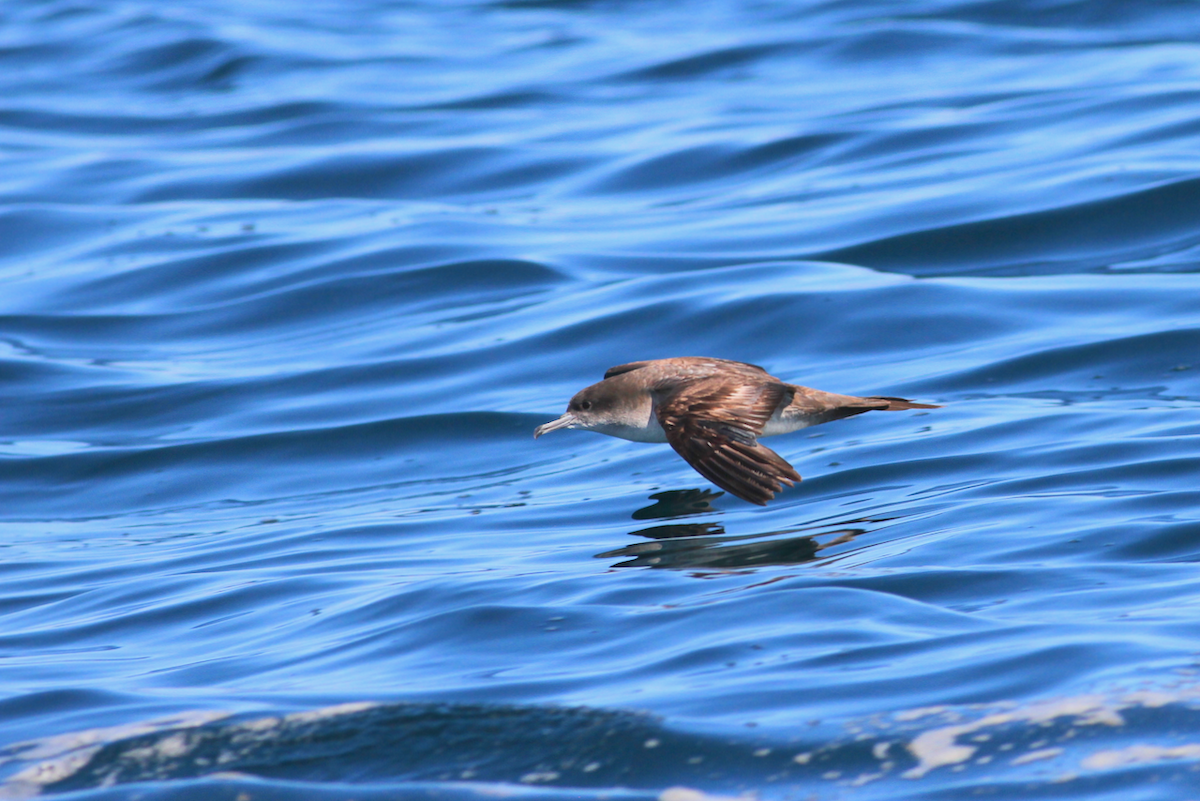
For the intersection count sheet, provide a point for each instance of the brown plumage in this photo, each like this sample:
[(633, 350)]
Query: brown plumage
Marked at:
[(712, 412)]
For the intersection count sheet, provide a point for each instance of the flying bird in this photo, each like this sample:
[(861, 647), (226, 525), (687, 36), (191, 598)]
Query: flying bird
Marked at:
[(713, 412)]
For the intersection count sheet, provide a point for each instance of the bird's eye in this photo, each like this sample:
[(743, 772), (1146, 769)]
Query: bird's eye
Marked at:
[(585, 405)]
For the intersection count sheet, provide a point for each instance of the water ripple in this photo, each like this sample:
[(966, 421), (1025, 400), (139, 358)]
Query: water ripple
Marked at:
[(285, 291)]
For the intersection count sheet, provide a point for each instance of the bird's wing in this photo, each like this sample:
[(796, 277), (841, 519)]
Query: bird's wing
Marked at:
[(697, 366), (714, 424), (815, 406), (624, 368)]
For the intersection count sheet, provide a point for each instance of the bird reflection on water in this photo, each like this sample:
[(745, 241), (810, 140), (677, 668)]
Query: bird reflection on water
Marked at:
[(683, 545), (678, 503)]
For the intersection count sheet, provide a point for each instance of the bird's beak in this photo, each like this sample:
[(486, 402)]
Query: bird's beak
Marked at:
[(568, 420)]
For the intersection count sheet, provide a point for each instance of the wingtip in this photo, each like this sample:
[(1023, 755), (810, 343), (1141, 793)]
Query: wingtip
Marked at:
[(901, 404)]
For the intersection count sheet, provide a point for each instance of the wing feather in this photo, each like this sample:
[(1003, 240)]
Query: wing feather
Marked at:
[(695, 367), (714, 424), (624, 368)]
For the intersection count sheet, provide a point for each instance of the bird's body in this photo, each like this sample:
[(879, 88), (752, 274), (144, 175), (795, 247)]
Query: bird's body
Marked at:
[(712, 412)]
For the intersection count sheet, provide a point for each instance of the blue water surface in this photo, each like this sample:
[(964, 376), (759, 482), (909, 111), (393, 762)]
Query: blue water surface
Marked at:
[(285, 288)]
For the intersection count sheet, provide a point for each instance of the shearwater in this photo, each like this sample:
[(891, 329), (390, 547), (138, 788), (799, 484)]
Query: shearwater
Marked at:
[(712, 412)]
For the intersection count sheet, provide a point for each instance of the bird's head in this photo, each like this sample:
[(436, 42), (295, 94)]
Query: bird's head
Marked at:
[(592, 407)]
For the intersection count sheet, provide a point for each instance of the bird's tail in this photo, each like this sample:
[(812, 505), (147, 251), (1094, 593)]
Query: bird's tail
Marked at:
[(900, 404)]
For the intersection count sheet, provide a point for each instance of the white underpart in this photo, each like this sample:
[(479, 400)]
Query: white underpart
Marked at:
[(651, 431), (777, 425)]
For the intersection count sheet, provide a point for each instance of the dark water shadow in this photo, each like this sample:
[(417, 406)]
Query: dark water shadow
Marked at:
[(432, 750), (371, 743)]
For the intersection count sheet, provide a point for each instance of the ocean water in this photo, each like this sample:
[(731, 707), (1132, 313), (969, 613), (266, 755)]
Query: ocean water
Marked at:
[(285, 288)]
